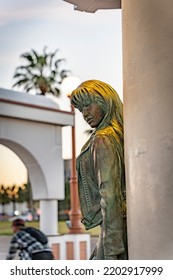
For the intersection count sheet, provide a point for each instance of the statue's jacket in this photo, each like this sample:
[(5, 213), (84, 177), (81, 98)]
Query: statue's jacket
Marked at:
[(100, 167)]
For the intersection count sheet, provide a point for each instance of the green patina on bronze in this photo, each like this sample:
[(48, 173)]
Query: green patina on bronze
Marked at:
[(100, 166)]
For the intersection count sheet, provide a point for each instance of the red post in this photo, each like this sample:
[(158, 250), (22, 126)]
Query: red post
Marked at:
[(74, 213)]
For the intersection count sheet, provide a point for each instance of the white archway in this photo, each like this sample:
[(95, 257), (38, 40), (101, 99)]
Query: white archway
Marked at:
[(31, 126), (35, 174)]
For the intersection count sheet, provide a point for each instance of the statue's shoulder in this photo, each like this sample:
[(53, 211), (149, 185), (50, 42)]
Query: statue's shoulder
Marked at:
[(104, 136), (106, 132), (108, 136)]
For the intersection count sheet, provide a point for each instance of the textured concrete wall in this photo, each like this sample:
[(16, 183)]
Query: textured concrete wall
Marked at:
[(148, 113)]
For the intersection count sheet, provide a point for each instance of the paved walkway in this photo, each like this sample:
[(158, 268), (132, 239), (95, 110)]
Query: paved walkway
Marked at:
[(5, 241)]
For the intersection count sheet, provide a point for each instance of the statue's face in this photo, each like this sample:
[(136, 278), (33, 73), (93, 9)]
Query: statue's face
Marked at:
[(93, 114)]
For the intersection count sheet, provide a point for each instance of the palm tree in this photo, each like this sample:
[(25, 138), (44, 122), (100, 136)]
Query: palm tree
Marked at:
[(25, 194), (4, 199), (41, 72), (12, 192)]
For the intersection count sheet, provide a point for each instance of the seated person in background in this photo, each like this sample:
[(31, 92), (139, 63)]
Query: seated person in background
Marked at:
[(30, 247)]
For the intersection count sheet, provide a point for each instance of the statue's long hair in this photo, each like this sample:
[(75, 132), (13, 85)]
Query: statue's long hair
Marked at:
[(103, 94)]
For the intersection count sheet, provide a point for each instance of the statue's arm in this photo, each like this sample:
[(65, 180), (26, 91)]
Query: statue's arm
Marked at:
[(107, 171)]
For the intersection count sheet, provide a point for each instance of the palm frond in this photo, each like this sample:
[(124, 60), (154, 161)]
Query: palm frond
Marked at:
[(44, 50), (21, 67), (28, 87), (20, 82), (55, 91), (64, 74), (42, 71), (18, 74), (52, 56), (58, 61), (27, 56), (34, 52)]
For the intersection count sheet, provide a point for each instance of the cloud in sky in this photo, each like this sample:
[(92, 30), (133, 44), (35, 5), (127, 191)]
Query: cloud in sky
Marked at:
[(17, 10)]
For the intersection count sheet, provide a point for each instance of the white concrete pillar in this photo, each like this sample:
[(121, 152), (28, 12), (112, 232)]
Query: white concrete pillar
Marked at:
[(148, 115), (49, 216)]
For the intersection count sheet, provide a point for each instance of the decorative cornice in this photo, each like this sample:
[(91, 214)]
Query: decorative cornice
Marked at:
[(91, 6)]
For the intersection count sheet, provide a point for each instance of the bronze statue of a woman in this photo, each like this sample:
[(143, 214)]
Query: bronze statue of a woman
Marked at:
[(100, 167)]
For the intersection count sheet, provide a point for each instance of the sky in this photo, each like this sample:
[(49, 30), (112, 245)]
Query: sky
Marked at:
[(91, 43)]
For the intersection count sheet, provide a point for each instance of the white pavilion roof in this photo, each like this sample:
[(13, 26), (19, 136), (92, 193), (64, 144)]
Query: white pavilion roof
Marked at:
[(92, 6)]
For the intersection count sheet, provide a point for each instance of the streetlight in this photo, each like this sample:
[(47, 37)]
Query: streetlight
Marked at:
[(68, 85)]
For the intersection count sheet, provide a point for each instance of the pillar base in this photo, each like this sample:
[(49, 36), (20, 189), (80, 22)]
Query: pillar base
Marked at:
[(71, 246)]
